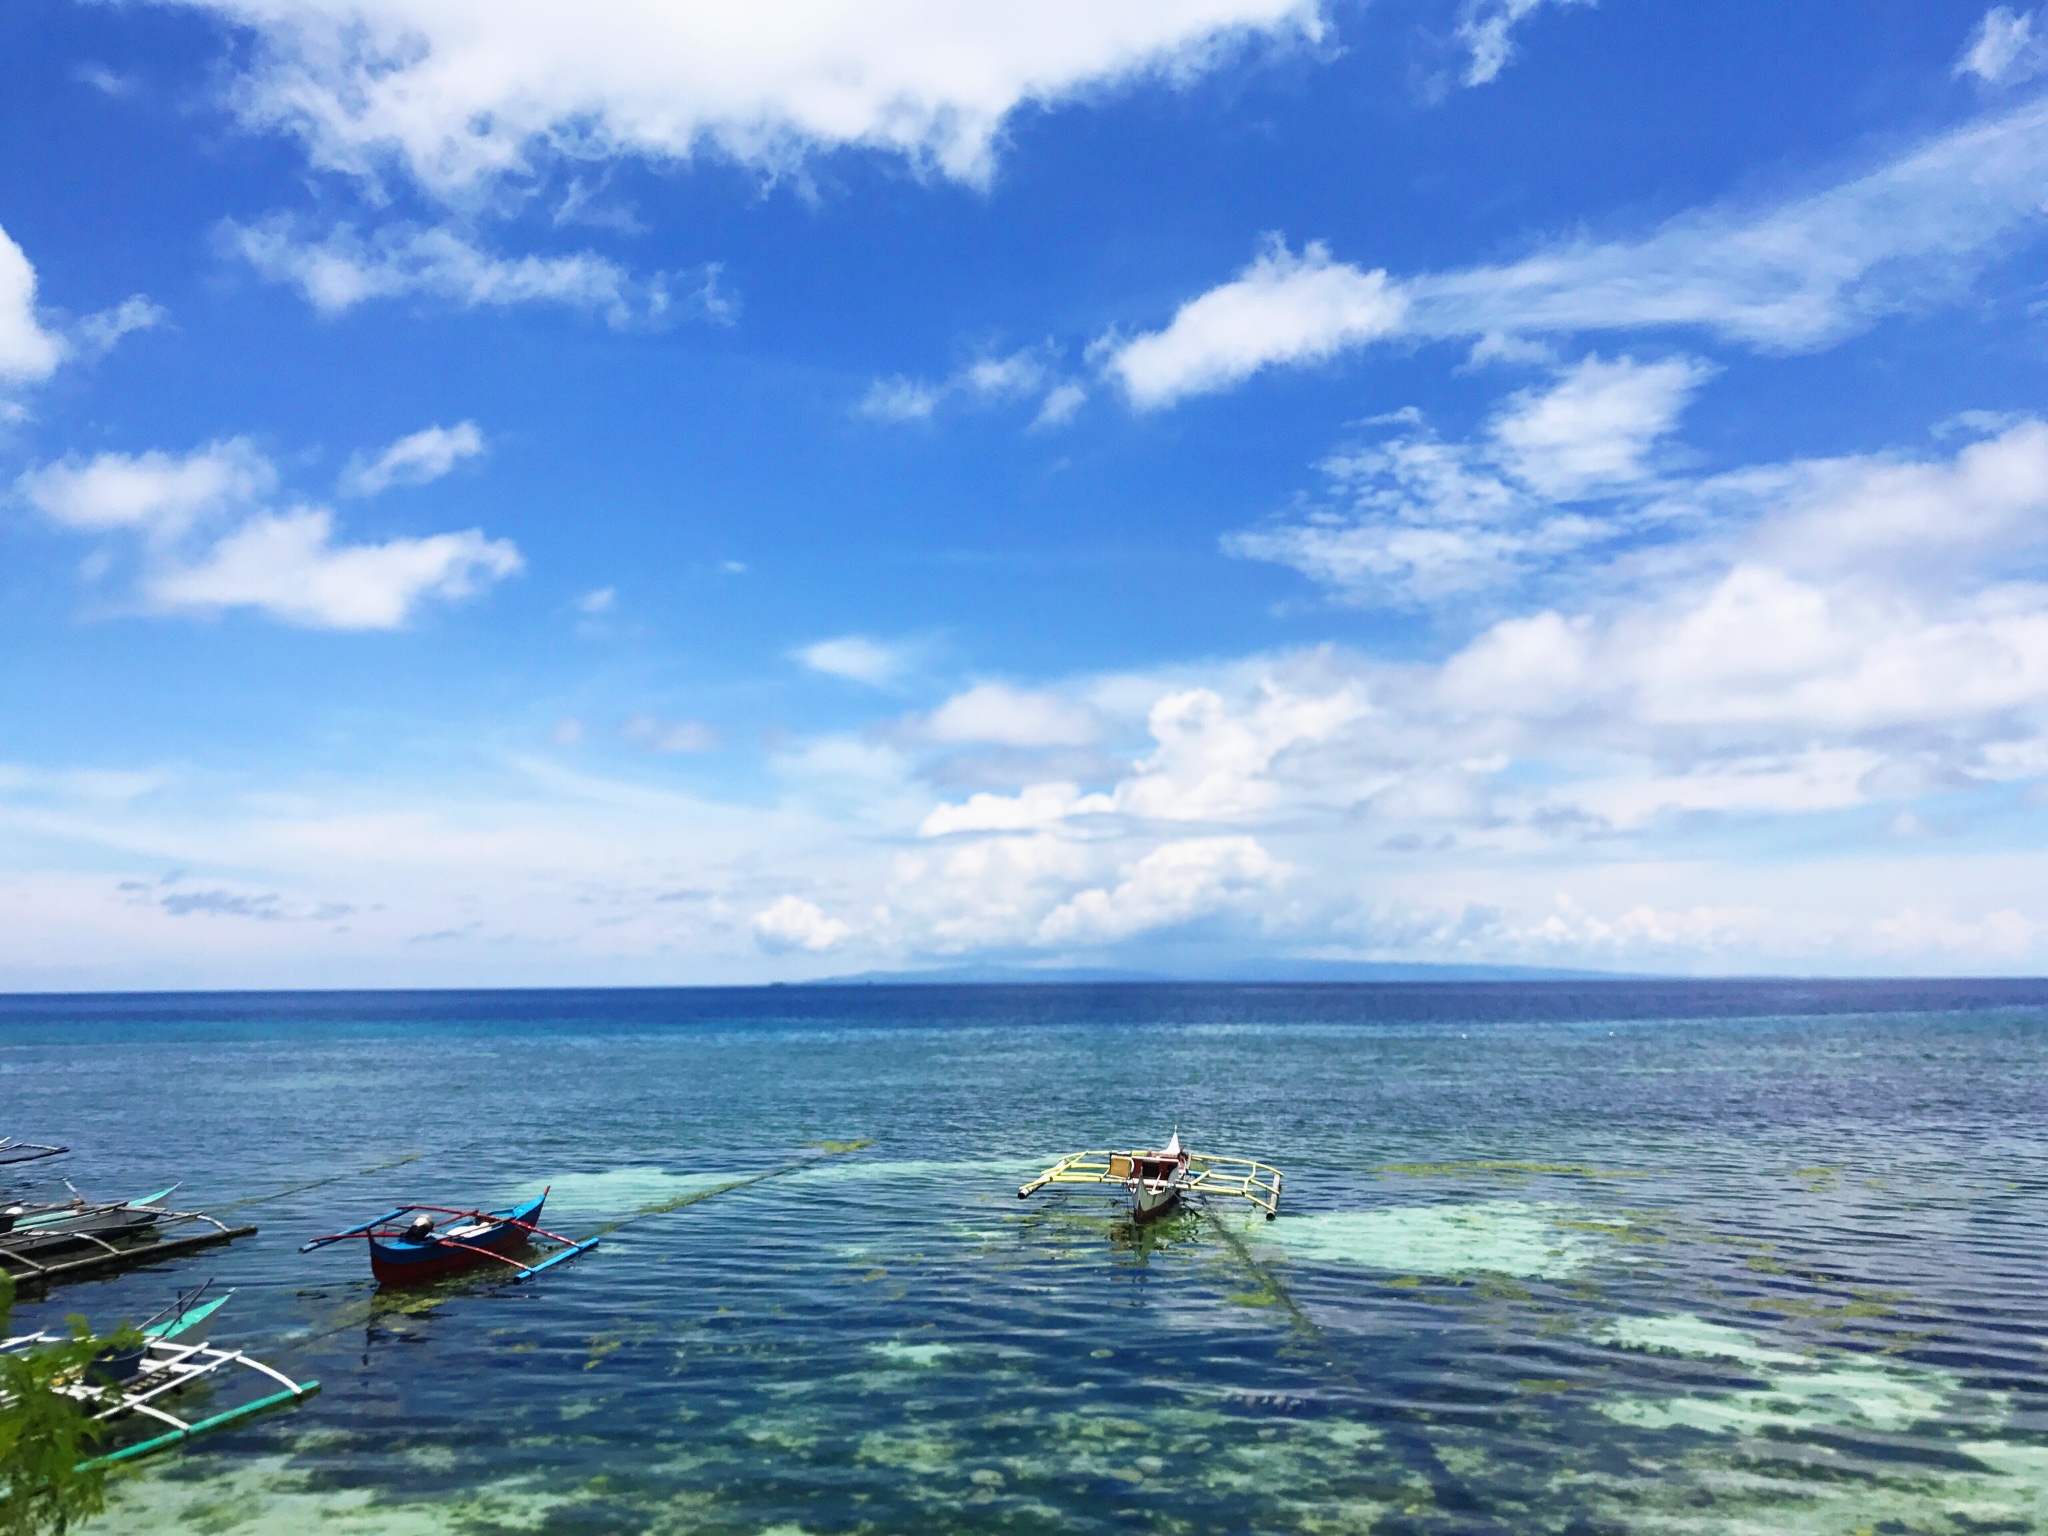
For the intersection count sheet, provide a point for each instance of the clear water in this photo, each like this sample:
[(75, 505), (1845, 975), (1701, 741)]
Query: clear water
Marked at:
[(1631, 1257)]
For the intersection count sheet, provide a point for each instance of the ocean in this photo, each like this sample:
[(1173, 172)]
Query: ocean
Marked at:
[(1666, 1257)]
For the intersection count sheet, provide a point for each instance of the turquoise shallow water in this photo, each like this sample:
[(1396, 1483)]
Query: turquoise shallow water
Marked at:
[(1641, 1257)]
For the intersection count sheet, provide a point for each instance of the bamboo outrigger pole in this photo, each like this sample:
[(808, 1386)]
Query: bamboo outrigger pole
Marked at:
[(1158, 1180)]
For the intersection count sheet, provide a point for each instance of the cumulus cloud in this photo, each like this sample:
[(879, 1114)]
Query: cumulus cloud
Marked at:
[(344, 268), (464, 92), (1842, 639), (1174, 883), (208, 545), (1485, 34), (28, 352), (1037, 806), (289, 566), (2005, 49), (1282, 308), (857, 658), (159, 494), (422, 457), (790, 922), (1790, 277), (1413, 518)]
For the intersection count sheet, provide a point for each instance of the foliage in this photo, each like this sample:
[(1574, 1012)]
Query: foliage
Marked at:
[(46, 1434)]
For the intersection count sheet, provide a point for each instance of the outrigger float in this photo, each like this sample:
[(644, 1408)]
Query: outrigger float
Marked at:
[(1159, 1181), (44, 1244), (133, 1383), (12, 1151), (416, 1243)]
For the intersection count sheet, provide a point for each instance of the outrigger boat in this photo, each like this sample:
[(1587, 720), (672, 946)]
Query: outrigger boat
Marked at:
[(44, 1243), (409, 1245), (1159, 1181), (12, 1151), (135, 1383)]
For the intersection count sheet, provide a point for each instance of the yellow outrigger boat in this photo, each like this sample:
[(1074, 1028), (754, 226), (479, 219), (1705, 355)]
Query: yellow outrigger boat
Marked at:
[(1157, 1181)]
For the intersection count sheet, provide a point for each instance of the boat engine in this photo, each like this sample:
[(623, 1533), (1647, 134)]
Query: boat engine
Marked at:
[(420, 1229), (10, 1216)]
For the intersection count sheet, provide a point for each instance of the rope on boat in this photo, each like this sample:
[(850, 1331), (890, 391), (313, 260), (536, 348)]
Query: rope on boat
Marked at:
[(332, 1178)]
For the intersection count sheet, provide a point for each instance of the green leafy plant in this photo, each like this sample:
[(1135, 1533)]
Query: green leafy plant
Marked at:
[(46, 1435)]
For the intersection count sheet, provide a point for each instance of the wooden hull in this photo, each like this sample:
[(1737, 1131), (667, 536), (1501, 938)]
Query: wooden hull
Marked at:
[(398, 1261), (1147, 1205)]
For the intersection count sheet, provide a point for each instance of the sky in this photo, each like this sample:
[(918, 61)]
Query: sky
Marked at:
[(649, 492)]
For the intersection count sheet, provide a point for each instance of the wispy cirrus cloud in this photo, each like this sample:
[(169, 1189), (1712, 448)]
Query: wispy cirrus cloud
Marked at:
[(418, 458), (344, 267), (1486, 32), (1030, 374), (1784, 278), (1558, 472)]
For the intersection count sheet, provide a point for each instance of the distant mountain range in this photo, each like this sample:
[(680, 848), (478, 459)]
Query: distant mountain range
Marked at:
[(1248, 972)]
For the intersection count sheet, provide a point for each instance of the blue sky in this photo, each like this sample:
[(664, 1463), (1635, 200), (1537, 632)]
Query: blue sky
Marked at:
[(499, 492)]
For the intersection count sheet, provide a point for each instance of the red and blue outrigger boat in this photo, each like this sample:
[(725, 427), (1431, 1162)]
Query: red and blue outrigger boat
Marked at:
[(416, 1243)]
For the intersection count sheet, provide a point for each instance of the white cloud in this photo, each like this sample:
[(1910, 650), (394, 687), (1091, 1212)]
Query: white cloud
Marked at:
[(1213, 759), (988, 380), (1060, 404), (1845, 638), (1012, 717), (658, 735), (160, 494), (1416, 518), (600, 600), (1485, 33), (1595, 426), (1786, 278), (463, 92), (207, 544), (1216, 762), (27, 351), (105, 80), (1033, 808), (1282, 308), (899, 399), (343, 269), (288, 565), (424, 456), (103, 331), (790, 922), (1174, 883), (2004, 50), (857, 659)]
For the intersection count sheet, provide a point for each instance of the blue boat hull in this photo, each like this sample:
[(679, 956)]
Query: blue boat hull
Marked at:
[(400, 1261)]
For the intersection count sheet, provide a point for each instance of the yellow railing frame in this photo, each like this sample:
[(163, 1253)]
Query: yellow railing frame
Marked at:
[(1209, 1175)]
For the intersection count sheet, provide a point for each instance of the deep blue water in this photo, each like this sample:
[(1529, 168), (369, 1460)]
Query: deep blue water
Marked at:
[(1566, 1257)]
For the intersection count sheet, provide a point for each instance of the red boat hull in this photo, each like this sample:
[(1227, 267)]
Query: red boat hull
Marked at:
[(402, 1262)]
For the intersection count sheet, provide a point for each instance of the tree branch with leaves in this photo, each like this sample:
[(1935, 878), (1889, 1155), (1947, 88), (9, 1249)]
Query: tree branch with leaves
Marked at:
[(47, 1432)]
